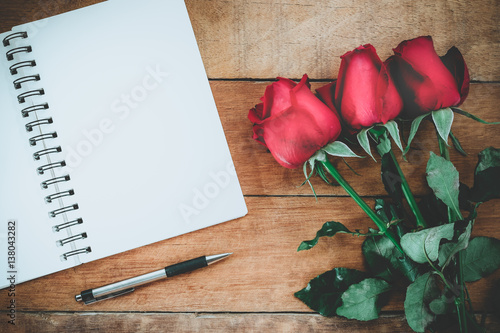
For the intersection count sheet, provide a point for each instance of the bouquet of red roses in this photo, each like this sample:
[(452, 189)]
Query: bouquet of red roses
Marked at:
[(430, 247)]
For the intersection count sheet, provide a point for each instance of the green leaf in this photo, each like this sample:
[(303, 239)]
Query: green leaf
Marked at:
[(442, 177), (482, 257), (377, 252), (364, 142), (487, 176), (448, 250), (384, 144), (393, 129), (444, 304), (418, 296), (338, 148), (385, 260), (413, 130), (488, 158), (380, 208), (359, 301), (323, 293), (471, 116), (443, 119), (425, 243), (329, 229)]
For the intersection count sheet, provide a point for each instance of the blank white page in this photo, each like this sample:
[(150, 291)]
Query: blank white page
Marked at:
[(137, 124)]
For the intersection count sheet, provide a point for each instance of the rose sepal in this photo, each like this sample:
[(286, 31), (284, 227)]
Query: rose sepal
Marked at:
[(442, 119), (473, 117), (379, 134)]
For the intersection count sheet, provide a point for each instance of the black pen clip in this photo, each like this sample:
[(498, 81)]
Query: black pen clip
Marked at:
[(111, 295)]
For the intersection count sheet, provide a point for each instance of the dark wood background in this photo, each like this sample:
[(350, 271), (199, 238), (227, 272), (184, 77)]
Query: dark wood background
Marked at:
[(246, 44)]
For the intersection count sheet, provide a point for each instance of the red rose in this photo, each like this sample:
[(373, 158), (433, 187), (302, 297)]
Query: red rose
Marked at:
[(292, 122), (364, 92), (426, 81)]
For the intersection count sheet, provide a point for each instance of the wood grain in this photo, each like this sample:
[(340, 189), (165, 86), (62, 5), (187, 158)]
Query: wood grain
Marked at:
[(208, 322), (269, 38), (252, 291), (179, 323), (261, 276)]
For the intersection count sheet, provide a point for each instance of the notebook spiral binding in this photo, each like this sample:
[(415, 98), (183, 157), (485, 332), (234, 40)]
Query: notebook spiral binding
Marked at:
[(43, 138)]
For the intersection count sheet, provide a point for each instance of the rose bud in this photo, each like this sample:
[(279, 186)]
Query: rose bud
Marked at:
[(364, 92), (292, 122), (426, 81)]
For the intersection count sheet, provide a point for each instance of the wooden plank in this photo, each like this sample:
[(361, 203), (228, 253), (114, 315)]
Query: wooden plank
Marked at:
[(260, 174), (264, 39), (288, 38), (261, 276), (190, 322), (208, 322)]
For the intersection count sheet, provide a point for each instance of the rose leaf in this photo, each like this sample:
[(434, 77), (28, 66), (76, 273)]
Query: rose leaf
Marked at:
[(329, 229), (482, 257), (418, 296), (443, 304), (425, 243), (487, 176), (323, 293), (384, 144), (442, 177), (386, 262), (360, 301), (448, 250)]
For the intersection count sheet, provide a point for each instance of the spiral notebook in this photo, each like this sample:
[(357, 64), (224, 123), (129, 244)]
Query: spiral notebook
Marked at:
[(109, 137)]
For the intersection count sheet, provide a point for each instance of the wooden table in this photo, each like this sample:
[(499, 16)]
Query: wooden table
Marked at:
[(245, 44)]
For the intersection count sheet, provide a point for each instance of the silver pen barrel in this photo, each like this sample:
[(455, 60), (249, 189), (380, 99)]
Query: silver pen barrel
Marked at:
[(129, 283), (125, 285)]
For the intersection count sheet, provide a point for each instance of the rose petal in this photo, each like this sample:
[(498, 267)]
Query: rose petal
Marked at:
[(356, 92), (454, 61), (255, 114), (389, 102), (439, 88), (326, 93), (295, 135), (277, 97)]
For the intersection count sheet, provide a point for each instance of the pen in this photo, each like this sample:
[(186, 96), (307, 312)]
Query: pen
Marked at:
[(126, 286)]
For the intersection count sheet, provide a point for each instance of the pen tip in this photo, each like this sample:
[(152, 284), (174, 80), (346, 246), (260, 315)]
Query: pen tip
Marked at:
[(216, 257)]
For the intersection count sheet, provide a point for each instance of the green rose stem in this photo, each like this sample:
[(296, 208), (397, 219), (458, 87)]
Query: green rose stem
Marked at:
[(460, 301), (407, 193), (380, 224)]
